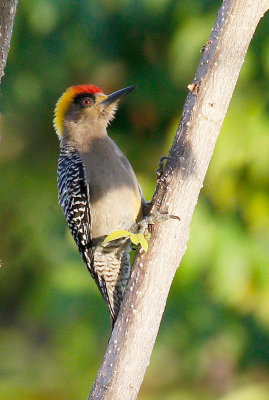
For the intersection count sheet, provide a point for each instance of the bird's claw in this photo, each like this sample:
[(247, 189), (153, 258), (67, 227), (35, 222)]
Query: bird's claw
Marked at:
[(141, 231), (149, 221)]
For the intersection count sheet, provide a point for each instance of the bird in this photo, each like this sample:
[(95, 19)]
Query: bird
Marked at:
[(97, 188)]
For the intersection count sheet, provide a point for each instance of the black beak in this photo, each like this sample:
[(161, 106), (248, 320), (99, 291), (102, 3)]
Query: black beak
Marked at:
[(116, 96)]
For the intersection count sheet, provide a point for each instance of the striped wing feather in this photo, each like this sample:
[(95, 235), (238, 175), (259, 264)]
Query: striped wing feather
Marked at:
[(75, 201)]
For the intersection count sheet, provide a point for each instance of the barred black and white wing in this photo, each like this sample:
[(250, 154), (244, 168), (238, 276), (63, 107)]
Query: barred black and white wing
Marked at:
[(109, 265), (74, 199)]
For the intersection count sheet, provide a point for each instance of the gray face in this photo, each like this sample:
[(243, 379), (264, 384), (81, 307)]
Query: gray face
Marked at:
[(92, 109), (89, 114), (87, 117), (79, 105)]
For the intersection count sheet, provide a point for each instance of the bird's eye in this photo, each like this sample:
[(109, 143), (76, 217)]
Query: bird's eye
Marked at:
[(86, 102)]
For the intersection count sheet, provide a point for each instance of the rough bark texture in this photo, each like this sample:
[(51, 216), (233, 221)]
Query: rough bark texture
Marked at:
[(7, 15), (133, 337)]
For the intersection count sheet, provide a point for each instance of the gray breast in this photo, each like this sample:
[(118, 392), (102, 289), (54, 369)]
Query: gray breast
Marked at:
[(115, 198)]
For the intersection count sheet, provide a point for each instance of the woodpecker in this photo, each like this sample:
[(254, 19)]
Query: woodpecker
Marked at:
[(98, 189)]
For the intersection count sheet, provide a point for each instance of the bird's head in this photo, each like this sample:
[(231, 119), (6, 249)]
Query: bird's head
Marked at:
[(85, 105)]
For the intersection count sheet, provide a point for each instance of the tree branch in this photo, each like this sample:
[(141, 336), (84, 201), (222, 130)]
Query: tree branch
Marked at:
[(134, 334), (7, 15)]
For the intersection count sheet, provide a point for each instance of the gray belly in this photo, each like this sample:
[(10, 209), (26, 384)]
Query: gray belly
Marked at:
[(115, 197), (115, 209)]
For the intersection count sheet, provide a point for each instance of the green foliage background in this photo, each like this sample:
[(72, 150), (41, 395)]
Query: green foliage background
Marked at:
[(214, 341)]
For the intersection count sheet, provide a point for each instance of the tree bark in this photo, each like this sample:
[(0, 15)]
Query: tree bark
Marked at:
[(7, 15), (131, 343)]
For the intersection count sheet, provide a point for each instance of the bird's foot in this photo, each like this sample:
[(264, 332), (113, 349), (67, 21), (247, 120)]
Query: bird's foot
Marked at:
[(141, 231), (149, 221)]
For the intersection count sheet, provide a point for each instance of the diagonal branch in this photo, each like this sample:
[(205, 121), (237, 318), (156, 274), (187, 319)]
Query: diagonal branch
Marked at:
[(132, 340), (7, 14)]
